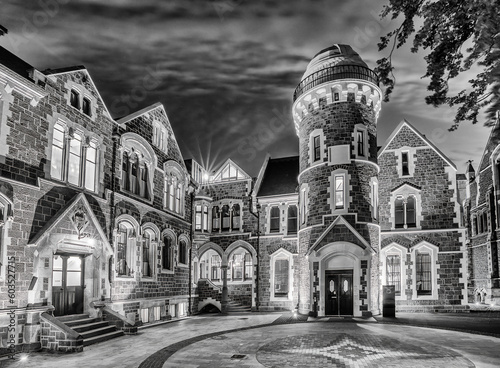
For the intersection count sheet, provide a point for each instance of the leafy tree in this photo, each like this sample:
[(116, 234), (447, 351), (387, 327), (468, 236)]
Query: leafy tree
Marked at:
[(450, 29), (3, 30)]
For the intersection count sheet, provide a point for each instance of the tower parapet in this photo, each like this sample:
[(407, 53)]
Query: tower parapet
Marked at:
[(331, 76)]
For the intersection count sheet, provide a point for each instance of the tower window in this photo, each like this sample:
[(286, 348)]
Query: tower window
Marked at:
[(361, 142), (404, 164), (317, 148), (339, 192), (336, 96)]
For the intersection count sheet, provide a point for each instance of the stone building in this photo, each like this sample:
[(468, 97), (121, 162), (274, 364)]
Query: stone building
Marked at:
[(103, 218), (96, 212), (482, 221)]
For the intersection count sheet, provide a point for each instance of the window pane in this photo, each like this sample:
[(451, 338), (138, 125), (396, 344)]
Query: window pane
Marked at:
[(424, 274), (292, 220), (281, 278), (56, 168), (393, 272), (236, 217), (317, 148), (275, 220), (90, 167), (74, 99), (404, 163), (166, 253), (197, 219), (361, 143), (73, 278), (225, 217), (121, 260), (74, 264), (399, 213), (215, 218), (86, 106), (339, 192), (410, 212), (205, 218), (75, 148)]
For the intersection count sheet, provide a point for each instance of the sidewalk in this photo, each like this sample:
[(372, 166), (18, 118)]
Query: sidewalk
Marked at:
[(281, 340)]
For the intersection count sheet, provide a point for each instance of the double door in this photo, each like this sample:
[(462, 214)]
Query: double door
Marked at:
[(338, 293), (67, 284)]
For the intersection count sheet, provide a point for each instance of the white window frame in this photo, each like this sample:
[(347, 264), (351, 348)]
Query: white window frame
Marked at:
[(160, 136), (281, 254), (150, 229), (404, 192), (268, 216), (331, 190), (297, 219), (390, 250), (425, 247), (364, 131), (412, 158), (374, 200), (304, 205), (174, 186), (322, 140), (132, 238)]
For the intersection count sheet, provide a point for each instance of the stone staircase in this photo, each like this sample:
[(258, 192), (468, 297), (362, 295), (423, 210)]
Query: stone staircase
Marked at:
[(93, 330), (234, 307)]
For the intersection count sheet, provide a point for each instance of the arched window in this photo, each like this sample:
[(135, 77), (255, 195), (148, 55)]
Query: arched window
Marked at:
[(134, 174), (274, 220), (125, 249), (215, 218), (410, 212), (225, 217), (148, 254), (75, 151), (183, 252), (292, 219), (399, 213), (281, 278), (237, 267), (174, 187), (236, 220), (167, 253), (215, 274), (125, 171), (143, 184), (248, 266)]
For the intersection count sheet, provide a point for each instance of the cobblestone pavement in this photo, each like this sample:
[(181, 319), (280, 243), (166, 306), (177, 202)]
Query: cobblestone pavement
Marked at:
[(281, 340)]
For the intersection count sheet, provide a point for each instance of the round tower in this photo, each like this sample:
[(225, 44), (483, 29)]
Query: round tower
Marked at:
[(335, 112)]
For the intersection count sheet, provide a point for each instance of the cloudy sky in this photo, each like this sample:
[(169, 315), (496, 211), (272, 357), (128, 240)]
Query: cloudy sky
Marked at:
[(225, 70)]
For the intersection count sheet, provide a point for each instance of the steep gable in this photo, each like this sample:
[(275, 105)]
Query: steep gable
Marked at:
[(229, 171)]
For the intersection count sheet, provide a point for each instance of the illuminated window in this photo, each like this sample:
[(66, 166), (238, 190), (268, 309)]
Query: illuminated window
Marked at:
[(339, 192), (215, 218), (71, 160), (237, 267), (281, 278), (248, 266), (405, 215), (125, 250), (160, 136), (303, 204), (197, 218), (174, 192), (215, 274), (393, 272), (225, 216), (374, 198), (274, 220)]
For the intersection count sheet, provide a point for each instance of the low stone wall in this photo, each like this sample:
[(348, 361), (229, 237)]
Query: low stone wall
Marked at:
[(56, 336), (120, 322), (240, 293)]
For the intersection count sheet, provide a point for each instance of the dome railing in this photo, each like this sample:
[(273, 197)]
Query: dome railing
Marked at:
[(333, 73)]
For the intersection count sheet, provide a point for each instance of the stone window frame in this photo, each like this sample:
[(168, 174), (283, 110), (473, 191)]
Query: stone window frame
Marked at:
[(404, 192), (360, 128), (281, 254), (347, 190), (137, 147), (304, 204), (82, 93), (286, 230), (187, 246), (322, 147), (231, 202), (240, 250), (168, 233), (412, 159), (174, 186), (132, 239), (159, 131), (374, 198), (151, 228), (425, 247), (6, 220), (87, 138), (395, 249)]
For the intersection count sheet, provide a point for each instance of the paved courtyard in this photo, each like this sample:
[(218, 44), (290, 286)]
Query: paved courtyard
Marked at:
[(276, 340)]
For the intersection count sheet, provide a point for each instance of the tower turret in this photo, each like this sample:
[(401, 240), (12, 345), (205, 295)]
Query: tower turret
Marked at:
[(335, 110)]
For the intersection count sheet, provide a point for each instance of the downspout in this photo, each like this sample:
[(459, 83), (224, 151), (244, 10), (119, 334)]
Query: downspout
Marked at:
[(191, 253), (257, 215)]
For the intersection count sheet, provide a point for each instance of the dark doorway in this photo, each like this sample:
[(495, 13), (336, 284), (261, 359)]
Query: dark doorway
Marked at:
[(67, 284), (338, 291)]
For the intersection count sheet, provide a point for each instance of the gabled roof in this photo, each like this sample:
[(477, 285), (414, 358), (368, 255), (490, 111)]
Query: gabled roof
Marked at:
[(63, 214), (140, 112), (229, 171), (340, 220), (405, 123), (408, 184), (279, 177), (78, 68)]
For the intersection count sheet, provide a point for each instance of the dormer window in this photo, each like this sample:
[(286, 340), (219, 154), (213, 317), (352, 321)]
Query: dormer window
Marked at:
[(74, 99), (86, 106)]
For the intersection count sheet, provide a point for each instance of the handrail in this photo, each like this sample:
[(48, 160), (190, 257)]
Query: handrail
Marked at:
[(333, 73)]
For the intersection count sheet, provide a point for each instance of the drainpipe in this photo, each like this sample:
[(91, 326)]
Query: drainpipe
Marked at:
[(257, 215), (112, 213), (191, 253)]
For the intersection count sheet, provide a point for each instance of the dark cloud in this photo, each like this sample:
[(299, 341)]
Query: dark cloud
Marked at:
[(225, 70)]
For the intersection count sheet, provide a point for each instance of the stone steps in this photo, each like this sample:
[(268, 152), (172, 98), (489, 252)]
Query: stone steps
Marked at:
[(93, 330)]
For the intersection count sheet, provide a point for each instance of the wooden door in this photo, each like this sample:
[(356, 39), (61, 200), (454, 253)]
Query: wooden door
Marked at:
[(67, 284), (339, 293)]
